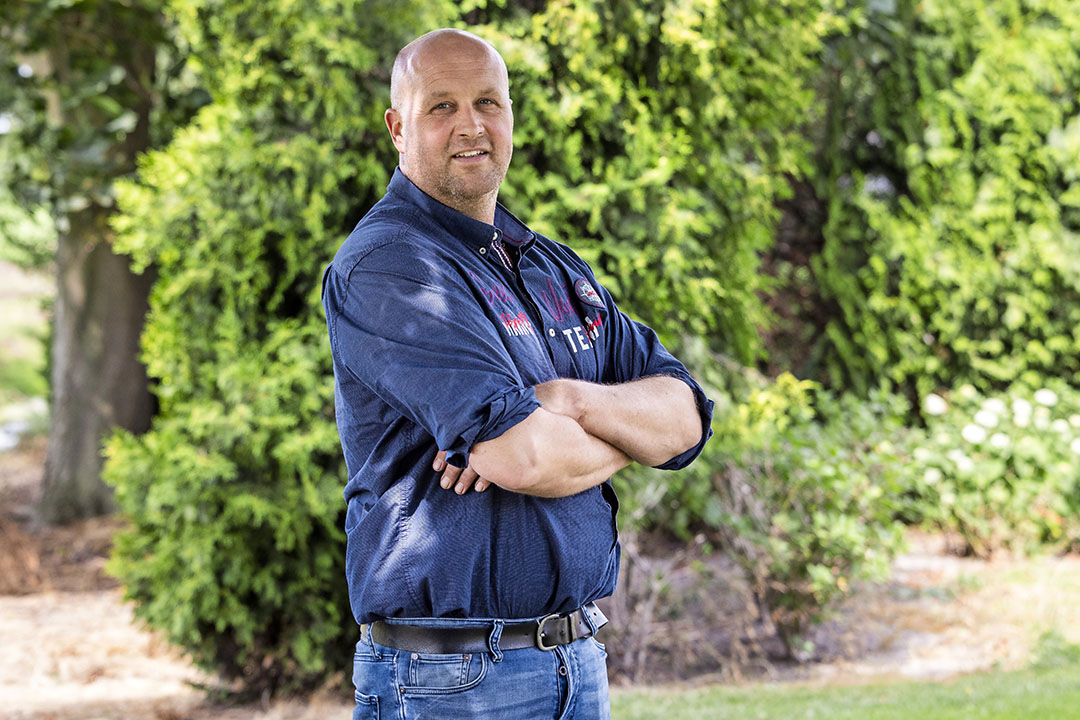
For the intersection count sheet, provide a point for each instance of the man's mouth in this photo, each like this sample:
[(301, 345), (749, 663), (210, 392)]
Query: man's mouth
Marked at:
[(470, 153)]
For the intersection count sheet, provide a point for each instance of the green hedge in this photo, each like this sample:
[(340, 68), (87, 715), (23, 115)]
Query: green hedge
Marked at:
[(656, 138), (950, 177), (236, 544)]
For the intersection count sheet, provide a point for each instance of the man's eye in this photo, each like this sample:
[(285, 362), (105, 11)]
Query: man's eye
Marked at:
[(441, 106), (485, 100)]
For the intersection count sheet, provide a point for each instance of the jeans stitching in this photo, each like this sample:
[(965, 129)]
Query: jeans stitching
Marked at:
[(424, 690)]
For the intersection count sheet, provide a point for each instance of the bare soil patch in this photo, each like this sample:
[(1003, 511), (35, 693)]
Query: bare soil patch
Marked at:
[(72, 649)]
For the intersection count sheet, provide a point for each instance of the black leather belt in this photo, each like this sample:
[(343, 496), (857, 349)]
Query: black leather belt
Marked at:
[(545, 634)]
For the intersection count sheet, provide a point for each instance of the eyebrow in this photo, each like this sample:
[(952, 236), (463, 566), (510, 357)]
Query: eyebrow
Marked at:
[(432, 97)]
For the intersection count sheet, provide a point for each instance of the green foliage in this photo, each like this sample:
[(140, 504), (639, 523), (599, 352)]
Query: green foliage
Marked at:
[(235, 547), (27, 238), (797, 487), (655, 138), (1002, 471), (234, 495), (950, 171), (86, 85)]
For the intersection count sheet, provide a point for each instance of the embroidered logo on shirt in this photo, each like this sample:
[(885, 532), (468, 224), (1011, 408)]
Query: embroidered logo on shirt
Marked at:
[(587, 294), (518, 325), (556, 301)]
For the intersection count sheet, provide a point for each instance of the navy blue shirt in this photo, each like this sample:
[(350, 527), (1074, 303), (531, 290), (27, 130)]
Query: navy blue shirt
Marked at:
[(440, 325)]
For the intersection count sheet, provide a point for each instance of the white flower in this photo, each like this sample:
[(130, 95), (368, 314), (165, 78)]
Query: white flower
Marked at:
[(1061, 426), (932, 476), (1021, 408), (994, 405), (1047, 397), (1042, 418), (922, 454), (1022, 420), (974, 434), (999, 440), (1075, 445), (986, 418), (948, 498), (1074, 420), (963, 463), (934, 404), (966, 391)]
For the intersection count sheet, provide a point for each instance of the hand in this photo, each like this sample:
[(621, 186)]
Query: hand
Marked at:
[(561, 397), (457, 478)]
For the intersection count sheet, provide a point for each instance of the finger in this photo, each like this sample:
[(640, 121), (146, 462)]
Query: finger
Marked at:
[(440, 461), (481, 485), (450, 476), (468, 477)]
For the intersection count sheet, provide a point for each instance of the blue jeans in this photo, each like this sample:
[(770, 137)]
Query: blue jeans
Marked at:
[(567, 683)]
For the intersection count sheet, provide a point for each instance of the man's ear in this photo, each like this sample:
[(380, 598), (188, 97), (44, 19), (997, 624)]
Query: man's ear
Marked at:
[(394, 125)]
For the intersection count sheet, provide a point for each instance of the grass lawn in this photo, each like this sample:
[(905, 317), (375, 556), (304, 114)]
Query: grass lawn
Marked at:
[(1047, 692)]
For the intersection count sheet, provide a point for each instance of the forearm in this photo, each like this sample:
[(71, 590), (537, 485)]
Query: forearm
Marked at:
[(547, 455), (651, 420)]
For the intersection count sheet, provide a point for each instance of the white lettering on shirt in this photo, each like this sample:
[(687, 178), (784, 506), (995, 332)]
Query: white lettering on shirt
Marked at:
[(576, 336)]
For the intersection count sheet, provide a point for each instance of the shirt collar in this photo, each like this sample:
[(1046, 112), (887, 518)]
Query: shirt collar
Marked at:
[(472, 232)]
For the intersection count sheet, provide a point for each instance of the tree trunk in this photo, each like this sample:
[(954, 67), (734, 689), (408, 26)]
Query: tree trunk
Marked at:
[(98, 382)]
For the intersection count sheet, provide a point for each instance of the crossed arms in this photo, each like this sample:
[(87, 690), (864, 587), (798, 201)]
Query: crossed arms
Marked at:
[(581, 435)]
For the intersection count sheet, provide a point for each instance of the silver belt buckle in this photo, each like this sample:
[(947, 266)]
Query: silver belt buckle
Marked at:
[(540, 633)]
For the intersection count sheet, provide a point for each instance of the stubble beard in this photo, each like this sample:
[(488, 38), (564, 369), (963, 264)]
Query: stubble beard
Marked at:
[(472, 192)]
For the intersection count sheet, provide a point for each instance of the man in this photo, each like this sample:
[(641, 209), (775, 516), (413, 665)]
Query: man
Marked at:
[(487, 387)]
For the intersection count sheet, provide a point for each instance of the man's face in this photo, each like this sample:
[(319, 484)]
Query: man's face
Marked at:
[(454, 129)]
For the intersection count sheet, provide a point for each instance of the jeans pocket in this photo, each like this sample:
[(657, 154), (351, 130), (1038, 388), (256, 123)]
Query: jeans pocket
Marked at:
[(367, 707), (599, 645), (442, 674)]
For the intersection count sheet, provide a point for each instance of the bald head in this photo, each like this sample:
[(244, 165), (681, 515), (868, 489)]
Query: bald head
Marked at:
[(426, 50)]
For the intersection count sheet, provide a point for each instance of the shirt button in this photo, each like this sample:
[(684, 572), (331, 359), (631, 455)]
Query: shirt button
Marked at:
[(483, 251), (495, 236), (551, 332)]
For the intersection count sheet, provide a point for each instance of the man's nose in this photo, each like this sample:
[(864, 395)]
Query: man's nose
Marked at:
[(470, 123)]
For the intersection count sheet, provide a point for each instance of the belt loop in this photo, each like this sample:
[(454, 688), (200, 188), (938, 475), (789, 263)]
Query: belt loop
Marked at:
[(371, 642), (493, 641)]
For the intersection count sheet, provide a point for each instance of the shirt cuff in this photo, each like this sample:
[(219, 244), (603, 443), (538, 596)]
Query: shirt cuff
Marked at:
[(705, 411), (503, 413)]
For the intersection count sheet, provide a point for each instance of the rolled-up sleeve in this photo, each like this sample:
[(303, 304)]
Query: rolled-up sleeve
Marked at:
[(633, 352), (411, 331)]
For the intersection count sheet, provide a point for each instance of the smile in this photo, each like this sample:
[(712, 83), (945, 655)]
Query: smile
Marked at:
[(470, 153)]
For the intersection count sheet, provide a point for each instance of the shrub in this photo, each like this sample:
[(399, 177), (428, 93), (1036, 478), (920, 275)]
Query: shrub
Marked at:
[(669, 150), (235, 547), (950, 172), (1002, 471), (797, 486)]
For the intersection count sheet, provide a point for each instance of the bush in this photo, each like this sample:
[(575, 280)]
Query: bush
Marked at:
[(677, 127), (1001, 471), (235, 547), (798, 487), (950, 172)]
